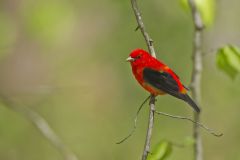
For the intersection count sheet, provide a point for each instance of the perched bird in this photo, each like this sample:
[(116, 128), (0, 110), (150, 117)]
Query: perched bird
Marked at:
[(157, 78)]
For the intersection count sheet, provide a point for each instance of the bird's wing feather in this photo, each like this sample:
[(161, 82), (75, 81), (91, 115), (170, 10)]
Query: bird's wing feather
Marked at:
[(165, 82), (161, 80)]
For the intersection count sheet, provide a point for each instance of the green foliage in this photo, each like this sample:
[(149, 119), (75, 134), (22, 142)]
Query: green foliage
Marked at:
[(228, 60), (161, 151), (206, 9)]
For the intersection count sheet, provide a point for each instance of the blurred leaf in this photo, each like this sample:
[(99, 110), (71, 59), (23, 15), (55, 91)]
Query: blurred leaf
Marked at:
[(161, 151), (228, 60), (206, 9)]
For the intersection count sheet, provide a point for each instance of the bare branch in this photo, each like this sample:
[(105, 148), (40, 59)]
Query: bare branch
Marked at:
[(135, 122), (151, 49), (211, 131), (150, 127), (196, 75), (42, 125), (141, 26)]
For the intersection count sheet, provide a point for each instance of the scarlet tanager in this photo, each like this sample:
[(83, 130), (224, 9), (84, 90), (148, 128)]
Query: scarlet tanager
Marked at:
[(157, 78)]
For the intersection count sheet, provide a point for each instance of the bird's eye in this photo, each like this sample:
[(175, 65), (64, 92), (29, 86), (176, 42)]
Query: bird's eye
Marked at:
[(139, 56)]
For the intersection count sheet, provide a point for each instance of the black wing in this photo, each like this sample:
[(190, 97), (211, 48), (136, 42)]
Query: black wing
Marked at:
[(161, 80), (165, 82)]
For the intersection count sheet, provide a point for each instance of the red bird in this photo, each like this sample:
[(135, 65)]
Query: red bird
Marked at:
[(157, 78)]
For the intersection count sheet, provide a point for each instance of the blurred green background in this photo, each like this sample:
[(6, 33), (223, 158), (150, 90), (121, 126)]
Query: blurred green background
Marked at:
[(66, 60)]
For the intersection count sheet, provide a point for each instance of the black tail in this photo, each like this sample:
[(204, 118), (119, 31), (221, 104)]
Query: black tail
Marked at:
[(188, 99)]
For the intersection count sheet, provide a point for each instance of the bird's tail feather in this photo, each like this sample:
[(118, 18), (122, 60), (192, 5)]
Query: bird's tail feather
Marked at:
[(189, 100)]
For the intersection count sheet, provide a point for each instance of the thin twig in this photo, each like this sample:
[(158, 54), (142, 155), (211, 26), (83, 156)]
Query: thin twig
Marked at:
[(211, 131), (135, 122), (196, 75), (42, 125), (151, 49)]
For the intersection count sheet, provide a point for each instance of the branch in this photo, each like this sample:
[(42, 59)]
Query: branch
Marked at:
[(135, 122), (141, 26), (151, 49), (42, 125), (196, 74), (211, 131), (150, 127)]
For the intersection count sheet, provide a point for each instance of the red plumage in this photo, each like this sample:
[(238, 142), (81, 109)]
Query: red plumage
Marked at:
[(156, 77)]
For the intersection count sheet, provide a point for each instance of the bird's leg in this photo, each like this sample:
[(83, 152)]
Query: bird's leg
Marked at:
[(152, 99)]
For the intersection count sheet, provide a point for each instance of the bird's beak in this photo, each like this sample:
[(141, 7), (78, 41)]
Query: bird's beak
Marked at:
[(130, 59)]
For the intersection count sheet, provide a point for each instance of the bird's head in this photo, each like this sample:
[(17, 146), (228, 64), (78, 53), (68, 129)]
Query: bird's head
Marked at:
[(138, 56)]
